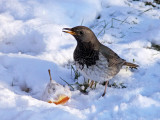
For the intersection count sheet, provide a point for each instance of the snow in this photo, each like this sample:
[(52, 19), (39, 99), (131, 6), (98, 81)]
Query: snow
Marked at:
[(31, 42)]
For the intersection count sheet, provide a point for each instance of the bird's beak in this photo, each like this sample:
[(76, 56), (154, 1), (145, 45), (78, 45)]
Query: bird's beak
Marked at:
[(68, 30)]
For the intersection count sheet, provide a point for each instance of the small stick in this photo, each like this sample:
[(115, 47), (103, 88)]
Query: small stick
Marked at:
[(123, 21), (145, 11), (82, 21), (49, 71), (104, 27)]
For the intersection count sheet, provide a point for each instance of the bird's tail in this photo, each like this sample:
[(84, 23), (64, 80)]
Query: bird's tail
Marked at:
[(131, 65)]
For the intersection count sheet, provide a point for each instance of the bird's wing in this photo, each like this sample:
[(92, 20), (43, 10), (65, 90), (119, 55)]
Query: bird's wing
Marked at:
[(111, 56)]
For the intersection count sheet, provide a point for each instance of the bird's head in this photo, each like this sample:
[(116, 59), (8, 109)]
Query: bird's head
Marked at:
[(82, 34)]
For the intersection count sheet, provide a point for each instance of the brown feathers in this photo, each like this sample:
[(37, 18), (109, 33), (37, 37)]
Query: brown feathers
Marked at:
[(131, 65)]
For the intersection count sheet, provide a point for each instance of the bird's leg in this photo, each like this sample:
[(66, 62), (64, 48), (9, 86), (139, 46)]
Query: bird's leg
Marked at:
[(91, 84), (106, 84)]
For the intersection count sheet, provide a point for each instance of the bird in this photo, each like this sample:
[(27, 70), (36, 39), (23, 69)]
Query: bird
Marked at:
[(94, 60)]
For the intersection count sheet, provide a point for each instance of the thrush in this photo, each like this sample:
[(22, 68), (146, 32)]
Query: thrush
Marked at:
[(94, 60)]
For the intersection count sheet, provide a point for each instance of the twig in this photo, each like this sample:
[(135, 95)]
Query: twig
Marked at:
[(145, 11), (82, 21), (121, 20), (66, 82), (49, 71), (97, 24), (124, 20), (104, 27)]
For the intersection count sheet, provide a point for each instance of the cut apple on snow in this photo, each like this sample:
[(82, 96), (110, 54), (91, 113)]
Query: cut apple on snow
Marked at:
[(56, 93), (61, 100)]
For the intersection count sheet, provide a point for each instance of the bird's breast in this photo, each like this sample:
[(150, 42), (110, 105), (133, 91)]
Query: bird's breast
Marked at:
[(98, 72), (86, 55)]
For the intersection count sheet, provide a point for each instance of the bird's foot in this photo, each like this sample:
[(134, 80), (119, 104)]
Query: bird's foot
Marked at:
[(133, 67), (103, 94)]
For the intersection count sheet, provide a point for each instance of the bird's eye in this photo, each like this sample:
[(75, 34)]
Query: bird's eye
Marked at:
[(81, 33)]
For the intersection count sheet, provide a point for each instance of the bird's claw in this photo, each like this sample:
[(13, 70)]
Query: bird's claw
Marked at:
[(133, 67), (103, 94)]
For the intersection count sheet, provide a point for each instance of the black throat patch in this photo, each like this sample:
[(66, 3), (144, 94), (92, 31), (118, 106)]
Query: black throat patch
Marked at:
[(85, 54)]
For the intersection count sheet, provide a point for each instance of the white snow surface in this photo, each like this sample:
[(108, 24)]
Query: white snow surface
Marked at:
[(31, 42)]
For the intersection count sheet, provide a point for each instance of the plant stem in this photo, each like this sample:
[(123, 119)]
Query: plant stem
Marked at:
[(66, 82)]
